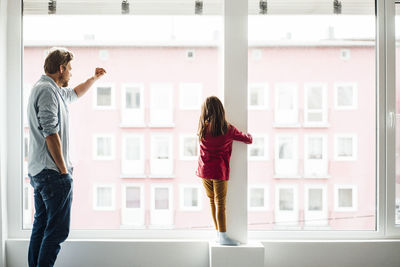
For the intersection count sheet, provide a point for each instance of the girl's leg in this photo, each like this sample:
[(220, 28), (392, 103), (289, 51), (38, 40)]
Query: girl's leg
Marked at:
[(220, 189), (209, 186)]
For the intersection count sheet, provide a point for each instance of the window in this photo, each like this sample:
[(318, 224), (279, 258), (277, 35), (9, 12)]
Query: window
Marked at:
[(132, 105), (346, 96), (345, 147), (258, 150), (316, 207), (190, 54), (103, 147), (344, 54), (190, 199), (286, 106), (286, 156), (161, 162), (161, 106), (104, 96), (258, 198), (346, 198), (103, 197), (316, 110), (189, 147), (315, 156), (133, 156), (190, 96), (161, 212), (103, 54), (258, 96), (133, 211), (286, 205)]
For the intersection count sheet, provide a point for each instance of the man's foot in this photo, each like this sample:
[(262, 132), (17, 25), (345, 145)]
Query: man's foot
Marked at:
[(224, 239)]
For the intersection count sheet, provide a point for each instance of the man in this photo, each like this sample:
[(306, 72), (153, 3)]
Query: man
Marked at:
[(49, 166)]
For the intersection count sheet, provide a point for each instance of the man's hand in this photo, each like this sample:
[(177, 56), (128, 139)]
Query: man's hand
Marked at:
[(99, 72)]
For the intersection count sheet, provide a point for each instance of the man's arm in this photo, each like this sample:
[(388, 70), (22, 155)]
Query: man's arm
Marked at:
[(54, 145), (82, 88)]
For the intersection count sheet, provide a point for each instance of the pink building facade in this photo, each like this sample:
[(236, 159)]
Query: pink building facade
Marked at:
[(134, 146)]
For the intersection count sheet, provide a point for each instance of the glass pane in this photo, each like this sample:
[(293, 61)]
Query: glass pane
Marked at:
[(161, 199), (345, 198), (190, 147), (191, 197), (139, 53), (132, 197), (320, 69), (257, 197), (104, 197)]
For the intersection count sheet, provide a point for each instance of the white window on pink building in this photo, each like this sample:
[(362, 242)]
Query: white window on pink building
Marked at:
[(258, 197), (104, 96), (132, 110), (161, 211), (258, 96), (133, 160), (189, 147), (345, 146), (161, 161), (190, 96), (133, 208), (190, 197), (103, 197), (27, 205), (346, 96), (286, 112), (315, 105), (258, 150), (346, 198), (286, 156), (315, 205), (103, 147), (161, 105), (315, 156), (286, 205)]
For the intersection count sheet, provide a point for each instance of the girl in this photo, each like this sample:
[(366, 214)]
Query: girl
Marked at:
[(216, 136)]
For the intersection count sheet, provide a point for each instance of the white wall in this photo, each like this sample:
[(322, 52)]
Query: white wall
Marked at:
[(3, 117), (196, 254)]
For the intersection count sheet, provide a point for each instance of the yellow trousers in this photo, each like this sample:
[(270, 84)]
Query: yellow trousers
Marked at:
[(216, 192)]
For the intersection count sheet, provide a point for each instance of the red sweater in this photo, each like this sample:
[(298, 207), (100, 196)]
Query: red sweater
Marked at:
[(215, 153)]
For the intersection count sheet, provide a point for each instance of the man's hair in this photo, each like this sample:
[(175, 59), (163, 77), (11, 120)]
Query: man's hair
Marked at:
[(57, 57)]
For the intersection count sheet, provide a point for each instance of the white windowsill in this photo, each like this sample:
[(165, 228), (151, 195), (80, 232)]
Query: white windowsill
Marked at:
[(316, 125), (166, 176), (130, 125), (127, 175), (317, 176), (167, 125), (287, 176), (289, 125)]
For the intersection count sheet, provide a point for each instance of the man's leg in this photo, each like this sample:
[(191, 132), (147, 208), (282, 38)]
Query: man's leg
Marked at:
[(38, 228), (57, 197)]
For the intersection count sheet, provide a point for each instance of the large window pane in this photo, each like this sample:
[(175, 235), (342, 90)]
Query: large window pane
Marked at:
[(133, 135), (312, 76)]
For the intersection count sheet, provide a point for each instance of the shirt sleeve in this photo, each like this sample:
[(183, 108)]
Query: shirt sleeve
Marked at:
[(241, 137), (47, 106), (68, 94)]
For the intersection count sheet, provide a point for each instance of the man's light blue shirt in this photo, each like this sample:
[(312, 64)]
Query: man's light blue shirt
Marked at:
[(47, 115)]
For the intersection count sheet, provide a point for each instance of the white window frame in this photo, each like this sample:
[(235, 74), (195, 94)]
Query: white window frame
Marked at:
[(320, 217), (166, 120), (182, 148), (94, 145), (154, 214), (286, 118), (291, 218), (200, 193), (323, 111), (266, 148), (293, 163), (354, 86), (26, 93), (127, 213), (128, 167), (154, 173), (132, 117), (354, 143), (266, 197), (265, 88), (94, 205), (323, 163), (354, 208), (95, 87), (28, 213), (198, 88)]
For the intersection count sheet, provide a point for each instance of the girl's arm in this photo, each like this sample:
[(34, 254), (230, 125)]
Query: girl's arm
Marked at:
[(241, 137)]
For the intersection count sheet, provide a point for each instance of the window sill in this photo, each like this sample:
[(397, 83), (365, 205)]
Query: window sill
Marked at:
[(166, 176), (289, 125), (128, 125), (133, 176), (287, 176), (317, 125), (167, 125), (316, 176)]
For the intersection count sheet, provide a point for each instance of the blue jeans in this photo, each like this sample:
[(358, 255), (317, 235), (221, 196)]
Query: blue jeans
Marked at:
[(53, 199)]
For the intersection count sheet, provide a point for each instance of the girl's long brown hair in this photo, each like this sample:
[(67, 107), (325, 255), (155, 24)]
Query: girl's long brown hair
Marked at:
[(212, 118)]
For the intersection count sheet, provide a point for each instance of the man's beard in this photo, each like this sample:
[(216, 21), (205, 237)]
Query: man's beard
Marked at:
[(63, 81)]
